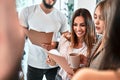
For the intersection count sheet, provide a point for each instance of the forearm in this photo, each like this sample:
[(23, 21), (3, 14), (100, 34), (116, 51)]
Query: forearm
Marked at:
[(105, 75), (90, 74)]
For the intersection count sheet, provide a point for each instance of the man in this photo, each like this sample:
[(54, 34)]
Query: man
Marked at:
[(43, 18)]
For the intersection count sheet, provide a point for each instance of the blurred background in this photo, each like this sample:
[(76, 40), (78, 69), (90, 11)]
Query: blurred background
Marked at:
[(65, 6)]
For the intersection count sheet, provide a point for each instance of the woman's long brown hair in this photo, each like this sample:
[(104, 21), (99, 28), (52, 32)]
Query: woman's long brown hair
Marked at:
[(90, 36)]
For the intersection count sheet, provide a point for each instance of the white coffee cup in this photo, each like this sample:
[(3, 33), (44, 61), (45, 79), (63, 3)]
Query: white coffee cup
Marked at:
[(74, 60)]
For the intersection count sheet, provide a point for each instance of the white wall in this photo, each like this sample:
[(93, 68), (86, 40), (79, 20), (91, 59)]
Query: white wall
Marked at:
[(88, 4)]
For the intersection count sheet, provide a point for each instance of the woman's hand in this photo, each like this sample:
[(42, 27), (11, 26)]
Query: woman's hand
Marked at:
[(67, 35), (70, 75), (83, 60), (50, 61)]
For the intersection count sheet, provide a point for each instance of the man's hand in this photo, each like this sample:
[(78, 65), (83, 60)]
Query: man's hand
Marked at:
[(49, 46)]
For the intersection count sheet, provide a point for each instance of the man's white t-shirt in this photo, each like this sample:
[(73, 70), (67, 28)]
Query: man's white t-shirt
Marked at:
[(35, 18)]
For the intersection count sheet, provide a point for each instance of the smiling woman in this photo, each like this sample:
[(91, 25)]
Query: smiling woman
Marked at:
[(11, 41)]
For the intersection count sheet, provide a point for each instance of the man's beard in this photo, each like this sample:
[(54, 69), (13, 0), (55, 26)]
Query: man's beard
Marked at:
[(48, 5)]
